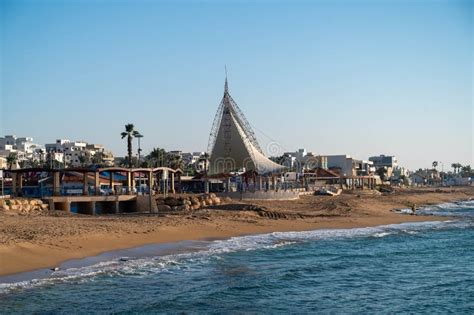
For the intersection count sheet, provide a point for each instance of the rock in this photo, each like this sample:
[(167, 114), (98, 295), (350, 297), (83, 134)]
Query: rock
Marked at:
[(6, 207), (164, 208), (217, 201), (212, 195), (172, 202), (195, 207), (15, 207), (44, 207)]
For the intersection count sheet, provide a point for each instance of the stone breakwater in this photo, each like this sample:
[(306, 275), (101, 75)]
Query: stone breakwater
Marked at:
[(188, 203), (23, 206)]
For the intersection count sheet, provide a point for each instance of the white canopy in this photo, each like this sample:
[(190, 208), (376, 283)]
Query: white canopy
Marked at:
[(233, 145)]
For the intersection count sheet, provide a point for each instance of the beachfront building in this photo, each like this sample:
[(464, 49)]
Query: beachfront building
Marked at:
[(236, 159), (344, 164), (364, 168), (302, 160), (78, 153), (23, 147), (232, 143), (388, 161)]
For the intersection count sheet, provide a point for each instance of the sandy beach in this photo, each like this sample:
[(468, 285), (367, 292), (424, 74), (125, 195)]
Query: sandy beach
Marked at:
[(41, 241)]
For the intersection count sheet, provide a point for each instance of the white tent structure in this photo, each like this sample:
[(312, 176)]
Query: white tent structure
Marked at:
[(232, 143)]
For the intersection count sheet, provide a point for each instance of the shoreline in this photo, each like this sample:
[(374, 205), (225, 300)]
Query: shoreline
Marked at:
[(99, 235), (169, 248)]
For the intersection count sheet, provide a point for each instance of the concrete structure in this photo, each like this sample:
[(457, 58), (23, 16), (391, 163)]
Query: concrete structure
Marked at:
[(78, 153), (388, 161), (364, 168), (344, 163), (138, 185), (23, 147), (232, 142), (3, 162)]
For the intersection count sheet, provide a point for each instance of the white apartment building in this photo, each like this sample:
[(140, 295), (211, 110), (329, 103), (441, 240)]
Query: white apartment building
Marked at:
[(388, 161), (78, 153), (23, 147)]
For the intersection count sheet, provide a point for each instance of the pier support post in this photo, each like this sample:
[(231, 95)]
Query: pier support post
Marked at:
[(132, 179), (172, 184), (111, 182), (129, 182), (227, 187), (97, 183), (90, 207), (20, 184), (56, 184), (14, 184), (117, 207), (85, 184)]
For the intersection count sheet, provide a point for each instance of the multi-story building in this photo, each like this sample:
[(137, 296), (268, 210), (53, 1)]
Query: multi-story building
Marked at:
[(79, 153), (344, 163), (23, 147), (388, 161)]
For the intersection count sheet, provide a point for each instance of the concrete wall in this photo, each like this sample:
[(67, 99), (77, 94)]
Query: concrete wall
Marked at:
[(143, 204)]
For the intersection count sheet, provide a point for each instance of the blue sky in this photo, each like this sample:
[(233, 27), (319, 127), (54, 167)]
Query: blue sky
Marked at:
[(334, 77)]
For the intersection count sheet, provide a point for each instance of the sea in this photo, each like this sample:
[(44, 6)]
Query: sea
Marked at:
[(425, 267)]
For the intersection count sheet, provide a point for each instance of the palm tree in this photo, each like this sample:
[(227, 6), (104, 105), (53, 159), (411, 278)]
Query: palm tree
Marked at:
[(466, 170), (175, 162), (11, 160), (454, 166), (157, 157), (130, 133), (435, 164)]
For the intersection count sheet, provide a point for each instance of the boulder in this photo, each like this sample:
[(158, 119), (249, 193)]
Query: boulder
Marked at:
[(172, 202), (164, 208), (6, 207), (44, 207), (216, 201)]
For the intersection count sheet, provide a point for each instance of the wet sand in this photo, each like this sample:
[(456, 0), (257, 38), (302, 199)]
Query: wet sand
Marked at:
[(42, 241)]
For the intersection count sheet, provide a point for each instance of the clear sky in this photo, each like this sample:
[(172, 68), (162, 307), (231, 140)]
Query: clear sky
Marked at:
[(334, 77)]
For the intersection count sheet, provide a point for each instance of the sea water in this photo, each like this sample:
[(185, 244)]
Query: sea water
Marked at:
[(425, 267)]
